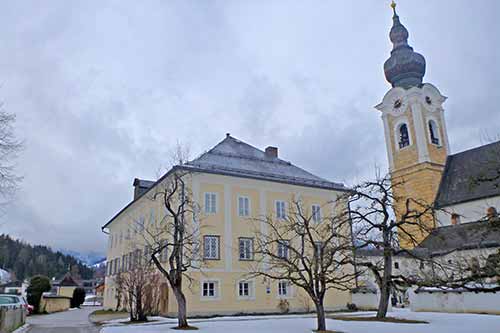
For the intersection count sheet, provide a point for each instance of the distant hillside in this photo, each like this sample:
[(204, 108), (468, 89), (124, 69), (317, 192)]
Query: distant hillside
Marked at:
[(23, 260), (89, 258)]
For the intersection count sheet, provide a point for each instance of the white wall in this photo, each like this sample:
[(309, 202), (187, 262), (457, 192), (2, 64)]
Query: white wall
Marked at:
[(468, 211), (367, 301), (468, 302)]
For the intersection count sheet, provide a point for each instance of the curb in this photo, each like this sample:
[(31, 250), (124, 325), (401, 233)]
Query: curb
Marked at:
[(22, 329)]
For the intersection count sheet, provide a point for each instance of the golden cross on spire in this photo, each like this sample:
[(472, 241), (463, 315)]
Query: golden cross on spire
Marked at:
[(393, 6)]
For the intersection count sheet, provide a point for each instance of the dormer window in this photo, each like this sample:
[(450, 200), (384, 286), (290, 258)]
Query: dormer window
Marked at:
[(433, 133), (404, 136)]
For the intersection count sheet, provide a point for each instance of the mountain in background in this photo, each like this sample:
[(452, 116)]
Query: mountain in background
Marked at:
[(88, 258), (23, 260)]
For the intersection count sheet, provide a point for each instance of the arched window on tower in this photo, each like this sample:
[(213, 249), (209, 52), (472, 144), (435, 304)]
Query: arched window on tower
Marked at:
[(404, 136), (433, 132)]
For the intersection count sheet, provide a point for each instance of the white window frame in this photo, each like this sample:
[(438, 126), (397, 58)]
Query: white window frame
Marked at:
[(436, 128), (397, 125), (250, 253), (280, 211), (217, 247), (217, 290), (283, 247), (210, 202), (245, 210), (251, 289), (316, 213), (288, 289)]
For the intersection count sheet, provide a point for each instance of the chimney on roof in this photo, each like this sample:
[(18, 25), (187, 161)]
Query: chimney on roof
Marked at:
[(455, 219), (272, 152), (137, 188)]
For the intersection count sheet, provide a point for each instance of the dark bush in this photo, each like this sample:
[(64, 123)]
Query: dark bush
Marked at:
[(38, 285), (78, 297), (352, 307)]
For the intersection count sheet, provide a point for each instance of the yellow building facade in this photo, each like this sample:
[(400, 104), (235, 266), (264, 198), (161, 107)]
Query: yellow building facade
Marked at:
[(234, 184)]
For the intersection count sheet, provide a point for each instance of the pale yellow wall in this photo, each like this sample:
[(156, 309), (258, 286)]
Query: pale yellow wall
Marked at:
[(51, 305), (66, 291), (229, 226)]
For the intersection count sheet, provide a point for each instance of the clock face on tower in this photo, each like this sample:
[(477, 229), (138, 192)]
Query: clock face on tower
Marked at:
[(398, 105)]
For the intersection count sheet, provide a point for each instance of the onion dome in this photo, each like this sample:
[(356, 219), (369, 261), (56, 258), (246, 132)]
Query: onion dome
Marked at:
[(405, 68)]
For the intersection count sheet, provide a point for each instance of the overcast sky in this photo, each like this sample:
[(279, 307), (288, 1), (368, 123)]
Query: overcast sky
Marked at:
[(102, 90)]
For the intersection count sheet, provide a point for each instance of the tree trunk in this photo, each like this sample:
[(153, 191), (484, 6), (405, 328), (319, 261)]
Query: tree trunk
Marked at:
[(181, 307), (320, 316), (385, 288)]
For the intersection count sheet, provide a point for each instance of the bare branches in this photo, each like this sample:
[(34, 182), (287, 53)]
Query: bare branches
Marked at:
[(310, 249), (10, 146), (380, 220)]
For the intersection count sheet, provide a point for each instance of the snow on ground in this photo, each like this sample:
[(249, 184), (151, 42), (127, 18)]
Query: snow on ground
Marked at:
[(438, 322)]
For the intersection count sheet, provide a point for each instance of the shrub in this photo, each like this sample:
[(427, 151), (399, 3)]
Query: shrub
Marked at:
[(78, 297), (352, 307), (38, 285), (284, 306)]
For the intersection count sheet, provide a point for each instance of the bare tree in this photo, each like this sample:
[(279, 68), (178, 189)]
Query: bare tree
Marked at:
[(9, 148), (177, 236), (307, 248), (137, 287), (380, 220)]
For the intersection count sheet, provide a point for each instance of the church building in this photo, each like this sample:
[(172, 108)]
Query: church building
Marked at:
[(463, 187)]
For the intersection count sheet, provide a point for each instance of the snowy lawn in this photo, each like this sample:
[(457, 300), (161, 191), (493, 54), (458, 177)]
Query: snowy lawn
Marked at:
[(438, 323)]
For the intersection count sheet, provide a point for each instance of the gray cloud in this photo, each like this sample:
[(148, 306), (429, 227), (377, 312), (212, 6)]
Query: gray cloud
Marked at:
[(103, 90)]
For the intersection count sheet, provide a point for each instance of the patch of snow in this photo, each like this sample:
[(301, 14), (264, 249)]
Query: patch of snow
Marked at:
[(4, 276), (438, 322)]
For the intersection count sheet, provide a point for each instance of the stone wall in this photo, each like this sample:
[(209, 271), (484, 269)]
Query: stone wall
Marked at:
[(11, 319)]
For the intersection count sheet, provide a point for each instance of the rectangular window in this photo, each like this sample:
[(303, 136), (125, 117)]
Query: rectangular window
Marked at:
[(118, 265), (283, 288), (283, 249), (318, 249), (210, 289), (316, 213), (280, 210), (246, 248), (211, 247), (131, 263), (124, 263), (243, 206), (164, 251), (245, 289), (152, 219), (210, 203)]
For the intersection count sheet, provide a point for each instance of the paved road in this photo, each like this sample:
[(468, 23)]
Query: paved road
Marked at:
[(74, 321)]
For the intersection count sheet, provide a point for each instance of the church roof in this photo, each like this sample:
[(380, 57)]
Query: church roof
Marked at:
[(459, 181), (233, 157), (473, 235)]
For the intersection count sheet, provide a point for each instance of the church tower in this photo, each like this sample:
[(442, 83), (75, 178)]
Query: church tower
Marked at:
[(414, 127)]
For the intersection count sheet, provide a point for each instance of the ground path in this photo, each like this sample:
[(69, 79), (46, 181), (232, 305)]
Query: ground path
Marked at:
[(73, 321)]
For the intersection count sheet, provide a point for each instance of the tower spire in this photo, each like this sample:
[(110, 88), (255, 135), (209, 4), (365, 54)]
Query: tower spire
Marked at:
[(405, 67), (393, 6)]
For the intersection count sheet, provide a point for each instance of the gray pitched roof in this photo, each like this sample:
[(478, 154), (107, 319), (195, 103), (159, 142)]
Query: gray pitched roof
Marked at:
[(480, 234), (236, 158), (462, 169)]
